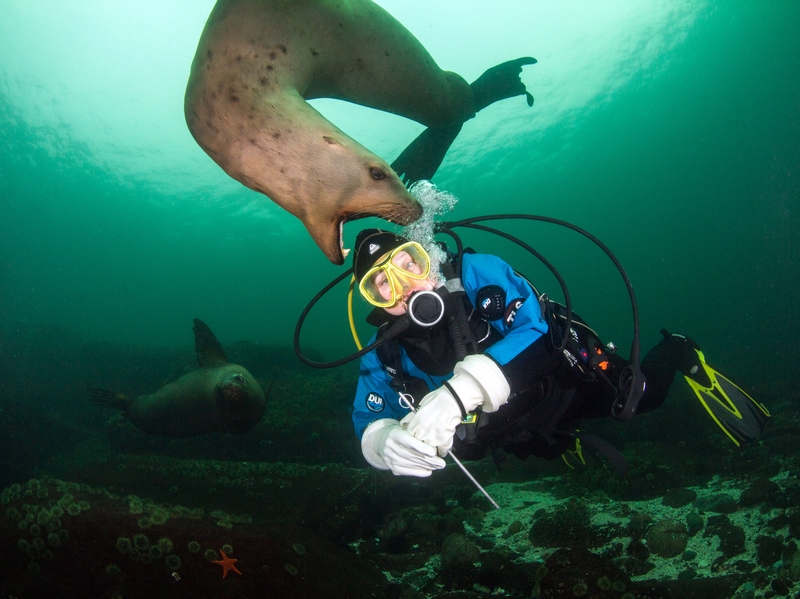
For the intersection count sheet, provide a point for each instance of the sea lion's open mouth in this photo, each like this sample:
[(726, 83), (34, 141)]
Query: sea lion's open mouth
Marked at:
[(401, 215), (345, 251)]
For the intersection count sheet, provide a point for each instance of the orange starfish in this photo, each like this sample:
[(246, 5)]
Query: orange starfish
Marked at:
[(227, 564)]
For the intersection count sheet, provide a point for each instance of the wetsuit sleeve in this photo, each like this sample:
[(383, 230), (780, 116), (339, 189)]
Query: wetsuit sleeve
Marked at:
[(521, 323), (375, 399)]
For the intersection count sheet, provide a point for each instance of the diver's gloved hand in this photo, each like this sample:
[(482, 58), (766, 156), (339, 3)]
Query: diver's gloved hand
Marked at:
[(387, 446), (478, 382)]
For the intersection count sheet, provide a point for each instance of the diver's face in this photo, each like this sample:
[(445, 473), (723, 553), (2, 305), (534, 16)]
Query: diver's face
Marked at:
[(404, 262)]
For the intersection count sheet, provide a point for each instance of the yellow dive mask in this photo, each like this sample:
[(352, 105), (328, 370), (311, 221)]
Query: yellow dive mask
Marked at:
[(393, 274)]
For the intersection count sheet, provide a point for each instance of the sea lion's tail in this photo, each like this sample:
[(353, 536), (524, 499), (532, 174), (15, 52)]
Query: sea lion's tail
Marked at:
[(109, 399)]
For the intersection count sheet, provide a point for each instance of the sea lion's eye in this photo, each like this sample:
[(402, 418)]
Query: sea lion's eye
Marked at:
[(239, 378), (377, 174)]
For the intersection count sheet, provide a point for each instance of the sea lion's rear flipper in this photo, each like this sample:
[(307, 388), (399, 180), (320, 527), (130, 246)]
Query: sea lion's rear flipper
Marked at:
[(206, 346), (109, 399), (422, 157), (500, 82)]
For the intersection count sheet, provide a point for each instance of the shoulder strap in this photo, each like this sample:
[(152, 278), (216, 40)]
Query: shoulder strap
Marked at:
[(388, 353)]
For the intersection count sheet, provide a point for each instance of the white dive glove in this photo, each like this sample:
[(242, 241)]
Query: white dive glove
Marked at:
[(478, 382), (386, 445)]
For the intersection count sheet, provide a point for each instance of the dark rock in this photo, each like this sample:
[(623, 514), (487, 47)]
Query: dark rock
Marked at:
[(720, 503), (770, 549), (513, 528), (570, 526), (447, 525), (638, 550), (789, 551), (393, 534), (779, 587), (778, 521), (694, 523), (741, 565), (794, 566), (793, 515), (687, 574), (638, 524), (459, 553), (667, 538), (731, 538), (760, 490), (648, 485), (678, 497)]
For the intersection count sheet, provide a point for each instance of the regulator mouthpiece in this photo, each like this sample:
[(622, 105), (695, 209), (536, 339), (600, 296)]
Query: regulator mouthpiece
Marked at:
[(425, 308)]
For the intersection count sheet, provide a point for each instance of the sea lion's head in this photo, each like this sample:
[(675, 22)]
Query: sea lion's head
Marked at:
[(279, 145), (350, 182), (240, 402)]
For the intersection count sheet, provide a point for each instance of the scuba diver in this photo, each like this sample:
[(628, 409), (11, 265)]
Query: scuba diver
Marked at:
[(482, 362)]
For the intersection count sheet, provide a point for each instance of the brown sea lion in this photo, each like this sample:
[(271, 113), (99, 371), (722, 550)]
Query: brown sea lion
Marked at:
[(257, 63), (216, 398)]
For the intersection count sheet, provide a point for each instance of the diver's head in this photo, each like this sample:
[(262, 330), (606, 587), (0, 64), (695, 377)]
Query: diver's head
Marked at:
[(389, 268)]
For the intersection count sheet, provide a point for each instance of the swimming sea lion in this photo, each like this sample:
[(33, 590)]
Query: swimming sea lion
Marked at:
[(216, 398), (257, 63)]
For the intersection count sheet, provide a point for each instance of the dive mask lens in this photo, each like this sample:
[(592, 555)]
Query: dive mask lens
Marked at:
[(384, 284)]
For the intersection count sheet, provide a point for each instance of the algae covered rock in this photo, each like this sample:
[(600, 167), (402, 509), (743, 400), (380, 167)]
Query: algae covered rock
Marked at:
[(758, 491), (678, 497), (570, 526), (667, 538)]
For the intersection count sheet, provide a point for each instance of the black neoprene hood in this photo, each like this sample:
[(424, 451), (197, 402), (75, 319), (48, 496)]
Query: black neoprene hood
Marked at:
[(371, 244)]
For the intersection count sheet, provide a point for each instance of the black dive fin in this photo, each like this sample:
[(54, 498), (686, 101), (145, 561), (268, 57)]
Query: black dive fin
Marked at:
[(206, 346), (739, 416), (500, 82), (421, 159), (109, 399)]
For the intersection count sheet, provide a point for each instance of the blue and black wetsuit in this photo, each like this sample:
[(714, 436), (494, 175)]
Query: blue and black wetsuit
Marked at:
[(546, 396)]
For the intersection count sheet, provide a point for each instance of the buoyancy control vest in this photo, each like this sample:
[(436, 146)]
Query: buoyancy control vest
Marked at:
[(538, 418)]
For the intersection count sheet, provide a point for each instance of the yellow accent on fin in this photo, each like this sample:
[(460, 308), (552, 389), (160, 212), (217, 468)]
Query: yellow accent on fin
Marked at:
[(716, 396)]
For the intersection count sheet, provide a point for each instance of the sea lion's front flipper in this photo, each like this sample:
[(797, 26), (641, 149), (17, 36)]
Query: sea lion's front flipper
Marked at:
[(206, 346), (422, 157), (500, 82)]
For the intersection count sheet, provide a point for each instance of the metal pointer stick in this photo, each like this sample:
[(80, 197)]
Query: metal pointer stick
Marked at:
[(406, 403)]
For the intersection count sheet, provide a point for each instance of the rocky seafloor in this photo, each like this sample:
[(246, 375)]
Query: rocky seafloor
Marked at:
[(91, 507)]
